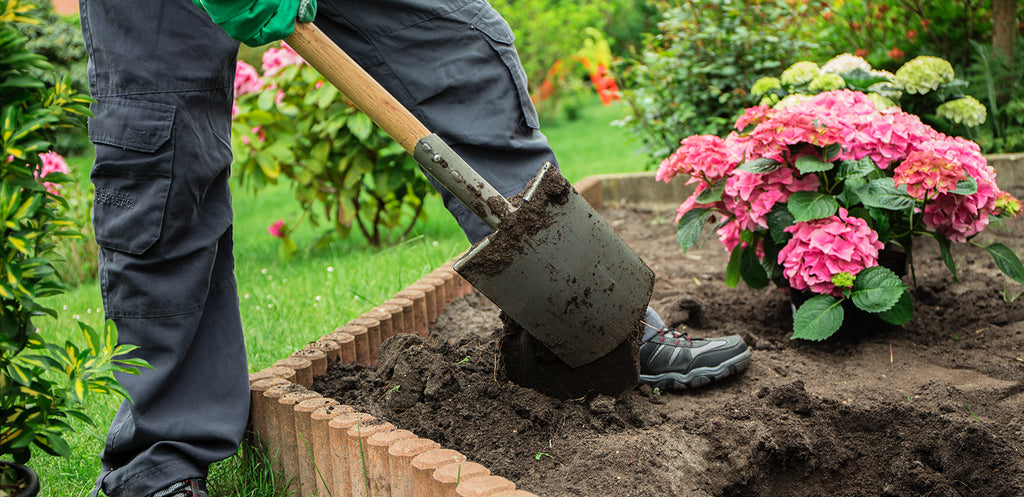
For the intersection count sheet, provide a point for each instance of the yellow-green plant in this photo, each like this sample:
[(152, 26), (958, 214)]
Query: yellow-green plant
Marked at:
[(42, 385)]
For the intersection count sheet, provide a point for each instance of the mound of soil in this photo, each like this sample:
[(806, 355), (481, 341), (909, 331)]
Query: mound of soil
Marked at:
[(935, 407)]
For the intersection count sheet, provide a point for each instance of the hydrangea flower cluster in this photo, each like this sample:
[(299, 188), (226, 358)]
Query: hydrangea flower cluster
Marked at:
[(965, 110), (824, 250), (52, 162), (949, 184), (276, 59), (923, 74)]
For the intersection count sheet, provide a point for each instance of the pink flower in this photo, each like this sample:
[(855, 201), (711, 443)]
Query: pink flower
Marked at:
[(247, 80), (261, 135), (275, 229), (275, 59), (961, 216), (926, 173), (751, 196), (823, 248), (279, 97), (52, 163), (703, 157)]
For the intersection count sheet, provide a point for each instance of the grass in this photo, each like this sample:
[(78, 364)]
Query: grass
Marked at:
[(285, 306)]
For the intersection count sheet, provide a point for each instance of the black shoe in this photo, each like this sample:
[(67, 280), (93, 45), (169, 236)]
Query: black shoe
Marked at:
[(672, 359), (194, 487)]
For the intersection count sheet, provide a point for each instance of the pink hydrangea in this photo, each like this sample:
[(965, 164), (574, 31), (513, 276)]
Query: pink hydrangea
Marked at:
[(823, 248), (962, 216), (276, 59), (926, 173), (751, 196), (247, 80), (52, 162), (703, 157)]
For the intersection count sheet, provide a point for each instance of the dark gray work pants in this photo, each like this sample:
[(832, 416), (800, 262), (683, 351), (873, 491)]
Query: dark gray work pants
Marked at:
[(162, 75)]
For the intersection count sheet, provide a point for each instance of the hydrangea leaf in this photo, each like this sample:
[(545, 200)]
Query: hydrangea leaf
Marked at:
[(877, 289), (967, 186), (760, 166), (732, 269), (713, 194), (807, 206), (849, 169), (690, 227), (882, 193), (947, 255), (818, 318), (902, 312), (751, 270), (807, 164), (778, 220), (1007, 261)]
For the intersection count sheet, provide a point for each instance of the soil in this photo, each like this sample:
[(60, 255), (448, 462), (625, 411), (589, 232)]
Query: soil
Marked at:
[(932, 408)]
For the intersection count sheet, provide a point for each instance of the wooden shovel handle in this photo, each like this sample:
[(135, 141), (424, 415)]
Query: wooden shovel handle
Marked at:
[(364, 91)]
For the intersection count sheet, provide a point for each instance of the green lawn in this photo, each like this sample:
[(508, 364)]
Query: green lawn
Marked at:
[(284, 306)]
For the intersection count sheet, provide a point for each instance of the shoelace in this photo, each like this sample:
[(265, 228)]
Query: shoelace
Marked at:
[(676, 335), (184, 488)]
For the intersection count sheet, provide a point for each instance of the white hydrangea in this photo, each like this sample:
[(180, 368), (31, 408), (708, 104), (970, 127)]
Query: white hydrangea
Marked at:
[(966, 110), (844, 63)]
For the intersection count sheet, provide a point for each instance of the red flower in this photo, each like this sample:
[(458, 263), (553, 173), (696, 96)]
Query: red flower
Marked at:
[(895, 53), (860, 52), (827, 15), (855, 25), (925, 23), (911, 34), (275, 229), (605, 85)]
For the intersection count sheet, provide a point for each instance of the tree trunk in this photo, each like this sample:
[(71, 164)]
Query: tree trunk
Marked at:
[(1004, 28)]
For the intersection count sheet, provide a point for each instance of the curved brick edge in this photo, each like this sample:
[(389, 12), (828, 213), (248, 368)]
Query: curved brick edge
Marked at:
[(318, 447)]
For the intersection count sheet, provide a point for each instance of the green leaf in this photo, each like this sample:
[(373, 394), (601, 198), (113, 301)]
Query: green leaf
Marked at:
[(760, 166), (713, 194), (877, 289), (947, 254), (1007, 261), (807, 164), (882, 193), (902, 312), (691, 225), (831, 151), (361, 126), (732, 269), (850, 169), (818, 318), (967, 186), (751, 270), (807, 206), (778, 220)]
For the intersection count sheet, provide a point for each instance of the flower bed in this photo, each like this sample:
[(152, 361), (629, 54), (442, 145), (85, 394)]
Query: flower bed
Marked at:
[(937, 401)]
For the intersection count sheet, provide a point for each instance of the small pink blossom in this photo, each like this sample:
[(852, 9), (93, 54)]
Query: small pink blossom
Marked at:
[(823, 248), (275, 229), (279, 97), (276, 59), (261, 135), (247, 80), (52, 163)]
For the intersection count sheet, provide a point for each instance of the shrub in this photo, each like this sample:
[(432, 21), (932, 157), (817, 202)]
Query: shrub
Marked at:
[(41, 384), (345, 169), (693, 73)]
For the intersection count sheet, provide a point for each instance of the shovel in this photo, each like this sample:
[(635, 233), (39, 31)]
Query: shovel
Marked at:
[(551, 264)]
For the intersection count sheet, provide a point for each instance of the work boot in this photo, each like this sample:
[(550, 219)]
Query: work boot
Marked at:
[(674, 360), (194, 487)]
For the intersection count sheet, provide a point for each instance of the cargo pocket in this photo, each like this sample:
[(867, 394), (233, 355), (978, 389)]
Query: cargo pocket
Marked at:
[(132, 172), (499, 35)]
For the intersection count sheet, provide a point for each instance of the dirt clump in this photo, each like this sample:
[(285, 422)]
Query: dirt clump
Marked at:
[(935, 407)]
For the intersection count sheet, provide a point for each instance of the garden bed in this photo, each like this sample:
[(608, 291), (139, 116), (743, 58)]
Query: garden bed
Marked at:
[(932, 408)]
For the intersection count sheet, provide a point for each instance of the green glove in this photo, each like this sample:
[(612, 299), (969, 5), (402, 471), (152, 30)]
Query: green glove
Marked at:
[(258, 22)]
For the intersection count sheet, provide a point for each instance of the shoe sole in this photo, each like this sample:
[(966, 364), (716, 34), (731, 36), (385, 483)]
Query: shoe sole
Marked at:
[(699, 376)]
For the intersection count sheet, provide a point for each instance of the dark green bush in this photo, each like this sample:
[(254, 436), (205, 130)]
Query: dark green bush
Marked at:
[(692, 75)]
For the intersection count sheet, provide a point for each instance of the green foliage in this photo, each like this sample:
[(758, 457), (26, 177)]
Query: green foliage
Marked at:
[(1001, 87), (889, 32), (344, 169), (693, 74), (41, 384), (59, 40)]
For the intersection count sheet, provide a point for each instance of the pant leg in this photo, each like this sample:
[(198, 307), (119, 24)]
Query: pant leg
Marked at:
[(162, 76), (453, 64)]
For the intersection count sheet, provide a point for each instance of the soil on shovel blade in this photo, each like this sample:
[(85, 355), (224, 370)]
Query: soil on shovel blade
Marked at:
[(934, 408)]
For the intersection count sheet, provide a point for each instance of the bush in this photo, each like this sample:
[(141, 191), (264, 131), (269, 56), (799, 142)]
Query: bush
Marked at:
[(59, 40), (345, 169), (693, 73), (42, 385)]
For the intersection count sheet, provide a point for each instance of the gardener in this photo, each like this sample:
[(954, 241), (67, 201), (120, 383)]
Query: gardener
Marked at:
[(162, 76)]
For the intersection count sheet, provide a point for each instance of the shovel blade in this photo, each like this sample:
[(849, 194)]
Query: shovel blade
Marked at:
[(557, 269)]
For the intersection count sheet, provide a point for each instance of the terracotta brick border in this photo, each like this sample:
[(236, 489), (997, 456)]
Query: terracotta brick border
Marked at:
[(319, 446)]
